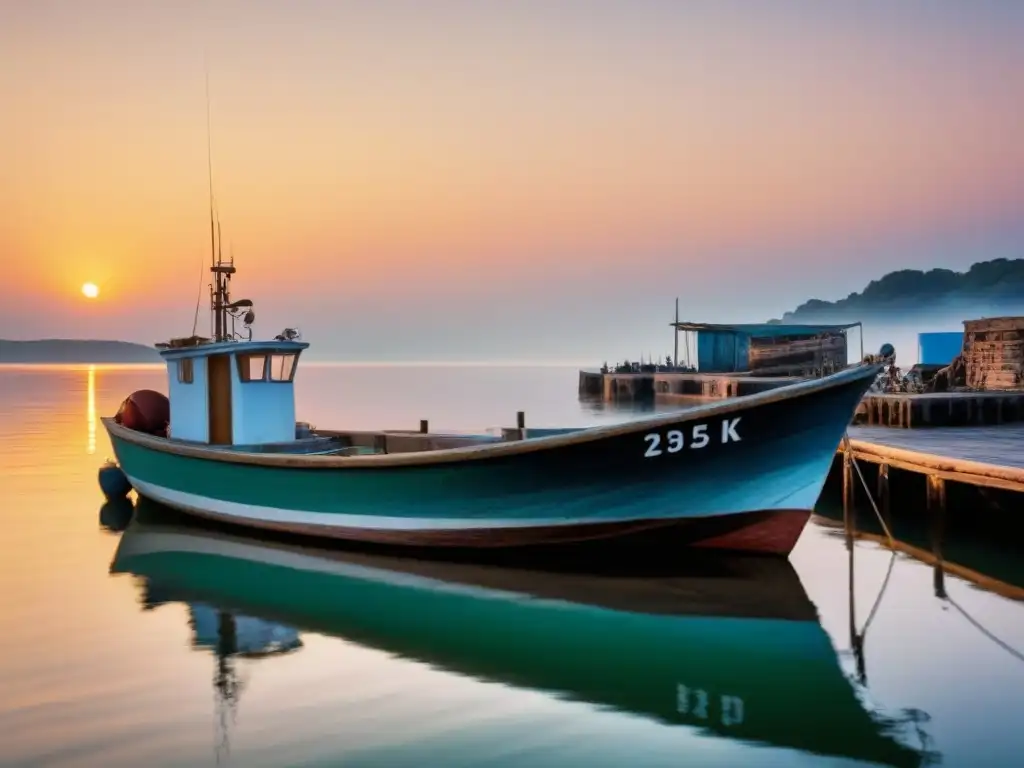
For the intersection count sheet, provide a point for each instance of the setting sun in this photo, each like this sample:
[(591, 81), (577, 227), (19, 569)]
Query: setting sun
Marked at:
[(90, 290)]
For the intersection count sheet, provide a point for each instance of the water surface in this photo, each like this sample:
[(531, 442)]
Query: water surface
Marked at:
[(131, 668)]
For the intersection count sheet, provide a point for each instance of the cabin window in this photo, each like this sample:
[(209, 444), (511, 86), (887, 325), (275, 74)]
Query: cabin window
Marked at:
[(282, 367), (185, 372), (252, 367)]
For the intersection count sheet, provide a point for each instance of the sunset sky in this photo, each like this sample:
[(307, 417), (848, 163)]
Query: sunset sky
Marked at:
[(464, 179)]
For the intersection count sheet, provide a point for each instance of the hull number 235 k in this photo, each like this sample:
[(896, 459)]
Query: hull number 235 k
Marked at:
[(695, 436)]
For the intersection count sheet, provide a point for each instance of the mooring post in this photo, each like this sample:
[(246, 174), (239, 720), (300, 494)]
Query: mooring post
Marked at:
[(849, 518), (936, 494), (424, 426), (937, 527), (856, 638), (521, 424), (882, 493)]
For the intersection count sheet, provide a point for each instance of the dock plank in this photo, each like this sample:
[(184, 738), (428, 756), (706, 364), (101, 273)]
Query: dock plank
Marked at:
[(1001, 445)]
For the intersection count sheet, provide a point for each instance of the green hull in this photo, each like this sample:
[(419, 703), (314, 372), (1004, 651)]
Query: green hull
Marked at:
[(742, 474), (731, 646)]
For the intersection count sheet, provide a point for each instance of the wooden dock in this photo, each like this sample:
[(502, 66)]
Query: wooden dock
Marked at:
[(940, 409), (984, 457), (984, 469), (669, 385)]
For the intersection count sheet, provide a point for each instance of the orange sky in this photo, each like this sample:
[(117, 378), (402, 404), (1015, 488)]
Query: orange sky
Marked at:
[(487, 155)]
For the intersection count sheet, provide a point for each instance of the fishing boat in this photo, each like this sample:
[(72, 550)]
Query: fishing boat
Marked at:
[(740, 474), (728, 645)]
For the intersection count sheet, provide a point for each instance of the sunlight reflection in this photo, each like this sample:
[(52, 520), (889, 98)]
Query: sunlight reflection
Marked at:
[(90, 414)]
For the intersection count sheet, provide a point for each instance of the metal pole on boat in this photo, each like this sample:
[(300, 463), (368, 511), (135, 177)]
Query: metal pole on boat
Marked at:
[(675, 347)]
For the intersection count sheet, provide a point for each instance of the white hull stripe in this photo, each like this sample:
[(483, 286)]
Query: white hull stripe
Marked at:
[(328, 520)]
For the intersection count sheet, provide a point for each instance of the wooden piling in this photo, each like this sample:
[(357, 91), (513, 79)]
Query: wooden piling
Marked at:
[(424, 426), (936, 494), (936, 529), (849, 515), (940, 409), (882, 494), (856, 638)]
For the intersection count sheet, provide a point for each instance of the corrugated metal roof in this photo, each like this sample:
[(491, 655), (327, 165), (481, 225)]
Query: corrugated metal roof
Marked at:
[(764, 329)]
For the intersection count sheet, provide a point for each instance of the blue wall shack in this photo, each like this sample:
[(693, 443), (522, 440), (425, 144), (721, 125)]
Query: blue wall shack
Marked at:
[(939, 348), (722, 351), (760, 347)]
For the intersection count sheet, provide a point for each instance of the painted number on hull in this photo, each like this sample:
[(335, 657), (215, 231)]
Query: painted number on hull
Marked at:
[(676, 440), (696, 702)]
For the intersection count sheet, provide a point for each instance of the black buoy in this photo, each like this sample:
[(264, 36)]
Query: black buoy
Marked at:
[(113, 482), (116, 514)]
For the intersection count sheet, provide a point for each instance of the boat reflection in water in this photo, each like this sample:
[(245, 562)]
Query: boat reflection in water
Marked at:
[(730, 645)]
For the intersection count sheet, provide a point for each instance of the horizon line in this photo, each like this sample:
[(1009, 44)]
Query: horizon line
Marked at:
[(331, 364)]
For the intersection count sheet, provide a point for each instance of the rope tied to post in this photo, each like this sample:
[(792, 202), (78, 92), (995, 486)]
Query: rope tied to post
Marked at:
[(847, 447)]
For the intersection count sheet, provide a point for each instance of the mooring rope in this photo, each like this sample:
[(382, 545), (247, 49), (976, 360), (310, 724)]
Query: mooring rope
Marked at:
[(881, 593), (867, 489), (878, 513), (1001, 643)]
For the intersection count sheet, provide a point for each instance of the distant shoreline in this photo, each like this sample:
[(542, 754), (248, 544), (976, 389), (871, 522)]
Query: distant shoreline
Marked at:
[(61, 352), (76, 351)]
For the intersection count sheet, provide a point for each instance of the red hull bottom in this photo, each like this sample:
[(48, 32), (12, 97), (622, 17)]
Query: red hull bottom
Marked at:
[(767, 532)]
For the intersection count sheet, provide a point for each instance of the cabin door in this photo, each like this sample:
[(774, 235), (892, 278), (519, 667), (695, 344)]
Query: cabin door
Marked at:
[(219, 384)]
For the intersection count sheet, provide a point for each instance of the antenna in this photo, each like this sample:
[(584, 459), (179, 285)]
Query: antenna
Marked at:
[(209, 157), (209, 170), (220, 301)]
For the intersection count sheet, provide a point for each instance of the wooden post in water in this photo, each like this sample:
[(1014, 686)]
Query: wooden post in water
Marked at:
[(936, 494), (937, 511), (424, 426), (882, 493), (856, 638), (521, 424), (849, 516)]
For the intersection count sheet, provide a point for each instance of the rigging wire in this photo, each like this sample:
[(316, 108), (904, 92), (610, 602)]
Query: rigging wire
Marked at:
[(209, 169)]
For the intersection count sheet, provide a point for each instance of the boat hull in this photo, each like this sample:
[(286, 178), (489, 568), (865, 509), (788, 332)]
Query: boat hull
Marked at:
[(741, 475)]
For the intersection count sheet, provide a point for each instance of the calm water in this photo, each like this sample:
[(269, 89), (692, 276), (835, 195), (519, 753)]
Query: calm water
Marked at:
[(398, 673)]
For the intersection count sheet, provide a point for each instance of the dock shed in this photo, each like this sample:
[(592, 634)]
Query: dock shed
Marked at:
[(994, 353), (939, 348), (769, 349)]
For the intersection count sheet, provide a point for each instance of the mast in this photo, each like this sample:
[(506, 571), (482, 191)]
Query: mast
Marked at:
[(219, 299), (226, 683), (675, 347)]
